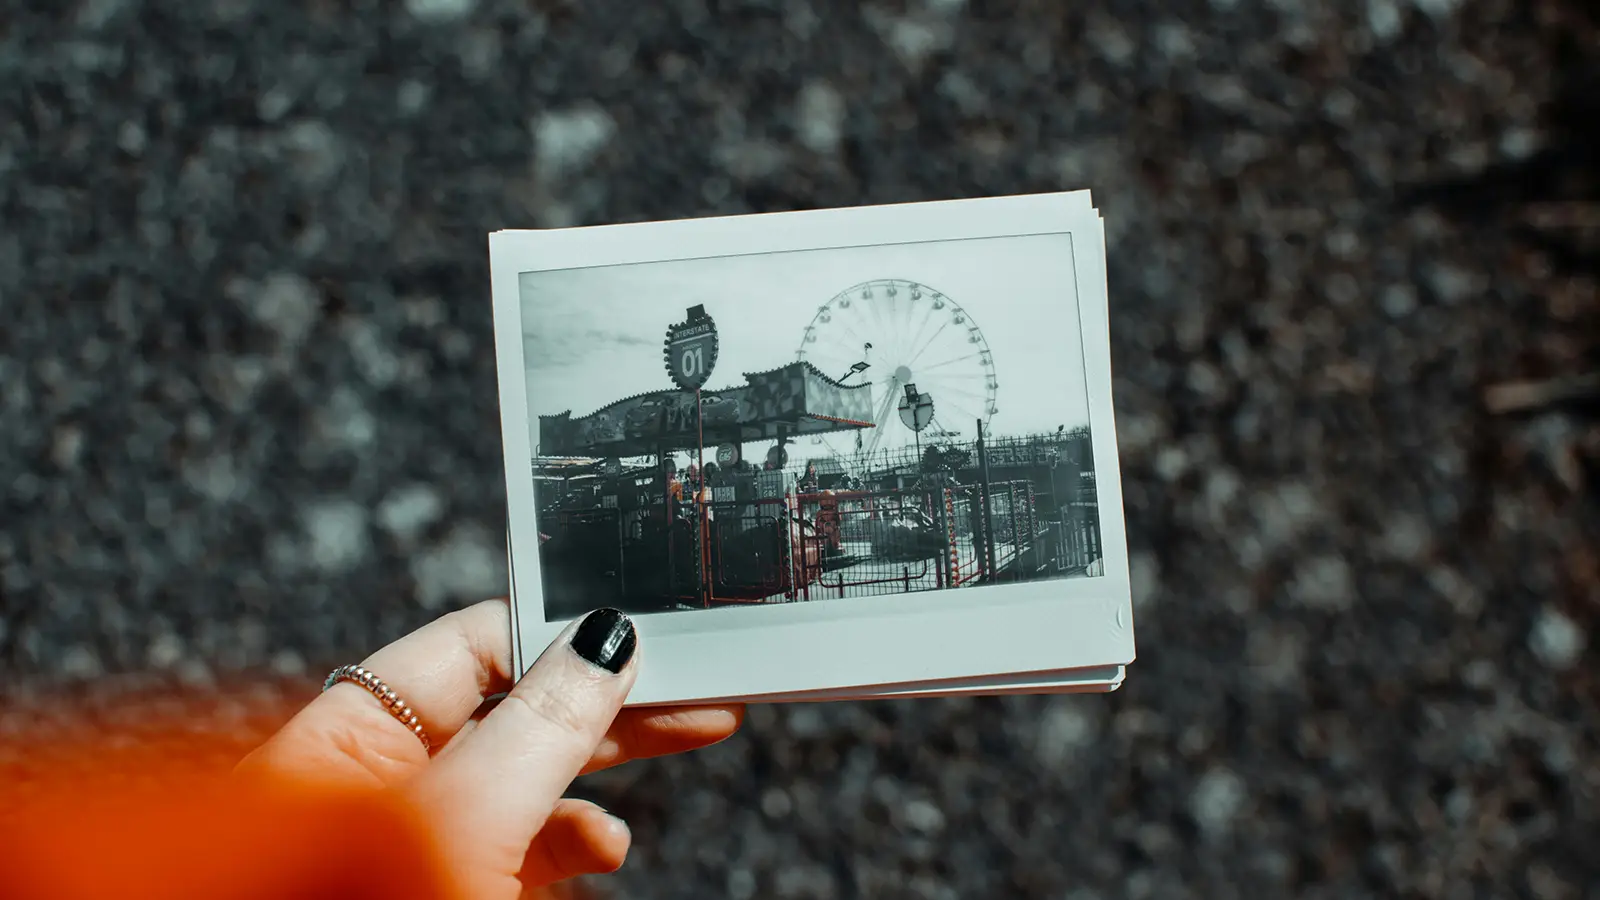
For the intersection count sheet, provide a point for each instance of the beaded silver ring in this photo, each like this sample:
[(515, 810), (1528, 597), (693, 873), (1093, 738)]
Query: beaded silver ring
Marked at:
[(391, 701)]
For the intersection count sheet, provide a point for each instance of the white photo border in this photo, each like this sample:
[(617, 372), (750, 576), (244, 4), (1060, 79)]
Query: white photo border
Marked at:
[(1095, 680), (1050, 624)]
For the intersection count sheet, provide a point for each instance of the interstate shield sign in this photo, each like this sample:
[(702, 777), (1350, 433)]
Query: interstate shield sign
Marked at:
[(691, 350)]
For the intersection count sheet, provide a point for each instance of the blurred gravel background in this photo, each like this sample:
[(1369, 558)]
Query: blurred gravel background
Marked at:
[(248, 419)]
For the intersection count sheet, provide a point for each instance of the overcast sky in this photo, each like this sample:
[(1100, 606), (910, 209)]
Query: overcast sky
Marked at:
[(593, 336)]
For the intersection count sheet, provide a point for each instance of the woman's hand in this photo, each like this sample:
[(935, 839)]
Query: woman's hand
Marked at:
[(491, 789)]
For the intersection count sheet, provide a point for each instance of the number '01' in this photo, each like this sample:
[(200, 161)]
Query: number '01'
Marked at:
[(693, 360), (690, 350)]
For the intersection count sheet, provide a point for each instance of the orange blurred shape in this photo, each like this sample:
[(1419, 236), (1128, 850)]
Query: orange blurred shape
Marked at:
[(169, 836)]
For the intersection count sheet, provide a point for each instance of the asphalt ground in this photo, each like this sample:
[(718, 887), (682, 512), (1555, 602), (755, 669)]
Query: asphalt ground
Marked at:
[(248, 426)]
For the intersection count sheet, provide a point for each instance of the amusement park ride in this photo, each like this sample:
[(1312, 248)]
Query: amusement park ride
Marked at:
[(880, 366), (892, 333)]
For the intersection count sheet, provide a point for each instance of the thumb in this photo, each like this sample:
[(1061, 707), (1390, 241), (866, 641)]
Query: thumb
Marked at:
[(491, 795)]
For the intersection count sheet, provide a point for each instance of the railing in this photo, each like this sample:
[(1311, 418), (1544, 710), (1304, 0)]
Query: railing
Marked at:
[(814, 545), (871, 542), (964, 530), (1012, 510), (749, 550), (1077, 537)]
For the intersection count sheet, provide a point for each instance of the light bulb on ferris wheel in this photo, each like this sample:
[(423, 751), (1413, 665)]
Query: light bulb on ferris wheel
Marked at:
[(891, 333)]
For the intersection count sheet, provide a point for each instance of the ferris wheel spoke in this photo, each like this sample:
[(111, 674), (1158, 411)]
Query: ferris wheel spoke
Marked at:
[(881, 423), (894, 343), (900, 310), (921, 344), (891, 312), (880, 414), (950, 362), (871, 313), (946, 390), (959, 417), (812, 347), (827, 364), (916, 337), (963, 422), (948, 397), (872, 447), (836, 319), (888, 382), (889, 400), (859, 341), (945, 387), (969, 419), (834, 361), (911, 335), (958, 398), (931, 338), (933, 304), (905, 323), (860, 322)]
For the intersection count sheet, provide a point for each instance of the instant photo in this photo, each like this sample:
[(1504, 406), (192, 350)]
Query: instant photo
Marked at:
[(810, 426), (784, 424)]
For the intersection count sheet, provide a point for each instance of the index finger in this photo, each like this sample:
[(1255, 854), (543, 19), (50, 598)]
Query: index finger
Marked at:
[(491, 794), (445, 671)]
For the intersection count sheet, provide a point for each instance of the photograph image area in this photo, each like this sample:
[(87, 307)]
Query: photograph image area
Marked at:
[(817, 425)]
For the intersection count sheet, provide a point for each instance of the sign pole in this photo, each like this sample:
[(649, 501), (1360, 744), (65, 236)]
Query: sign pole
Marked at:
[(916, 413), (989, 526), (690, 355), (704, 490)]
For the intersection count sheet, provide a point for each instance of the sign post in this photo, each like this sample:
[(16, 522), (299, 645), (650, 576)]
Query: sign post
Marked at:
[(987, 550), (916, 413), (690, 354)]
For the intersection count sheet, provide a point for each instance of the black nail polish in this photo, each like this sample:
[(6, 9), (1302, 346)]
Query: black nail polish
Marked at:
[(605, 639)]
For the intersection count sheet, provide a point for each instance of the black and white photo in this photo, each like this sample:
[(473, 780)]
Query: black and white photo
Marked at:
[(871, 420), (807, 419)]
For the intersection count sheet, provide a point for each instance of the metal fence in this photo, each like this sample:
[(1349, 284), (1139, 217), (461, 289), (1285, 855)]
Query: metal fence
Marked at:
[(1071, 450), (1075, 535), (867, 543), (762, 536), (997, 546), (748, 553)]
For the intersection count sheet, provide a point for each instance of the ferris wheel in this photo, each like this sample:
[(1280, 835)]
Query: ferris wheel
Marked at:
[(894, 333)]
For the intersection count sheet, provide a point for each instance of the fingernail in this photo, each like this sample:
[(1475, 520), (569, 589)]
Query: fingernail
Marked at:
[(605, 639), (619, 827)]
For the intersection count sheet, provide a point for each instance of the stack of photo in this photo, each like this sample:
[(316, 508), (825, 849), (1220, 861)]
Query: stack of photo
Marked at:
[(820, 455)]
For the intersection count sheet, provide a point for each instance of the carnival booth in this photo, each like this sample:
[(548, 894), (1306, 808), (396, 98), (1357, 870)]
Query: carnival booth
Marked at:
[(653, 537)]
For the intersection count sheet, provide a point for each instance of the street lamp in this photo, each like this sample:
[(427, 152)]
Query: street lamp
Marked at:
[(855, 369)]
